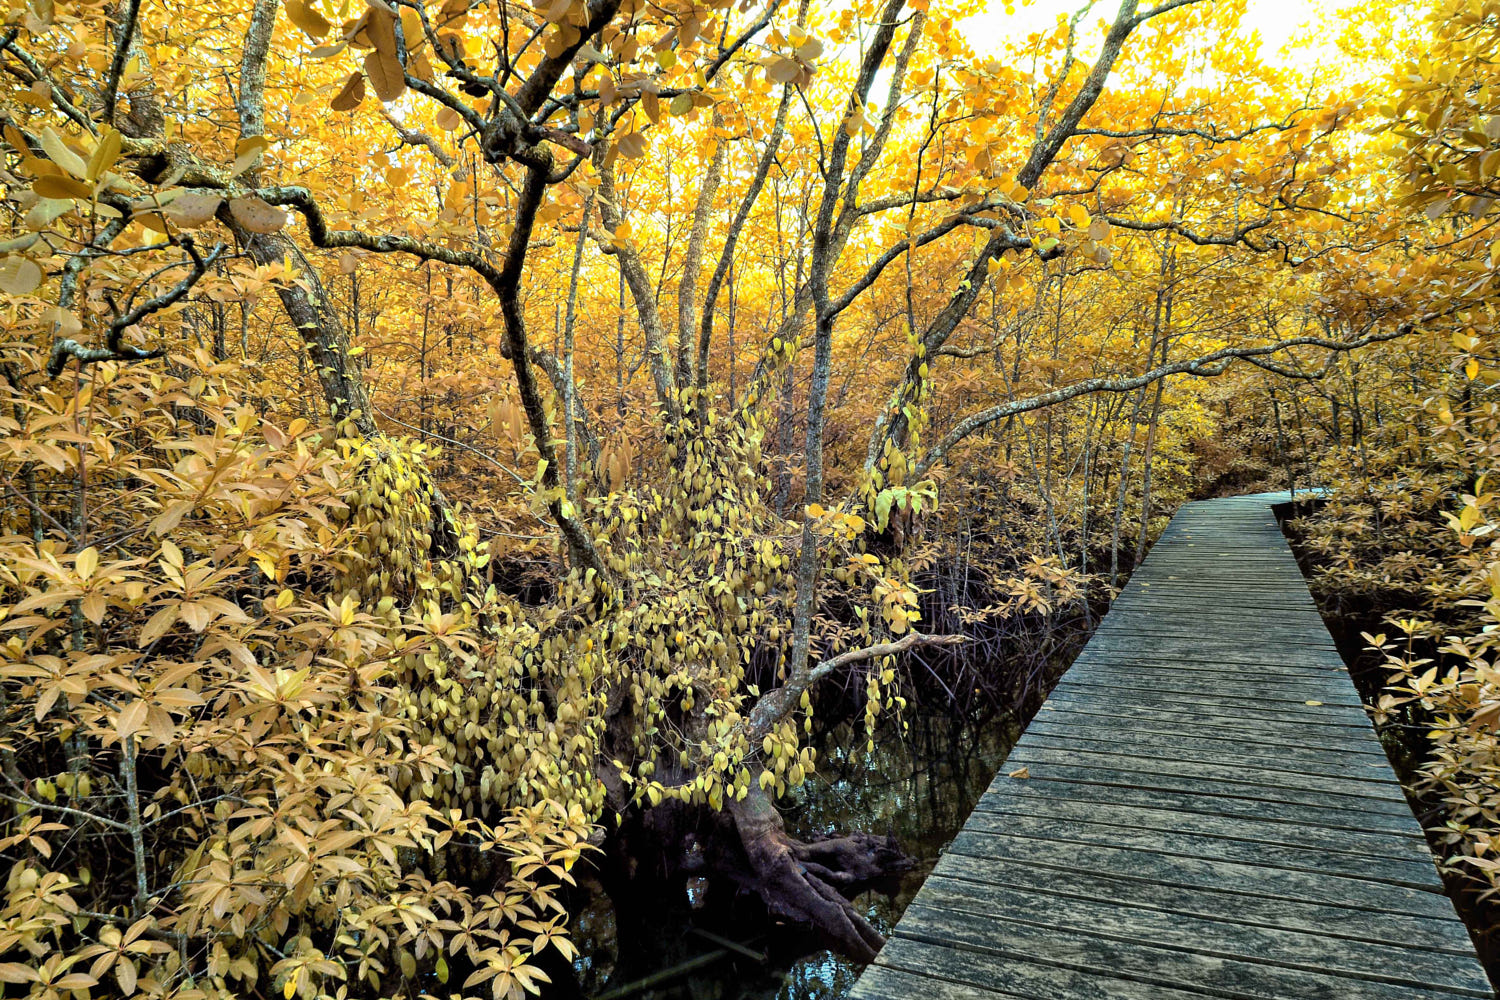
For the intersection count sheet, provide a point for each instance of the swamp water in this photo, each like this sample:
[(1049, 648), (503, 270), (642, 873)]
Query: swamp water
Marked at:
[(703, 943)]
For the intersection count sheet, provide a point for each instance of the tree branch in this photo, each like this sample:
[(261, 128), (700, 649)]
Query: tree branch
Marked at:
[(1211, 364)]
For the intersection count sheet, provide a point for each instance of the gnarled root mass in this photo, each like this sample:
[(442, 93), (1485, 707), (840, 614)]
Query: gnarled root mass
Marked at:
[(803, 882)]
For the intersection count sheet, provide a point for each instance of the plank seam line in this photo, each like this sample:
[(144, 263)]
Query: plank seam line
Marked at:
[(1062, 717), (1223, 722), (1091, 680), (1249, 716), (1370, 748), (882, 962)]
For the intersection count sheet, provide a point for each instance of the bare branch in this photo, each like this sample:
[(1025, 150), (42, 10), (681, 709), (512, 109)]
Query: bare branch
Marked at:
[(1211, 364), (64, 349), (912, 640)]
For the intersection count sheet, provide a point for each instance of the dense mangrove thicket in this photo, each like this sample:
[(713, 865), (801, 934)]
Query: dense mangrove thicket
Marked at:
[(439, 437)]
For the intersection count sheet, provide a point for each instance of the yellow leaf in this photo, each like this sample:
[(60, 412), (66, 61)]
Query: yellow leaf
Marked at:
[(256, 215), (19, 275), (59, 186), (349, 96), (784, 70), (189, 211), (633, 145), (252, 144), (386, 75), (306, 18), (105, 153), (60, 154), (131, 719)]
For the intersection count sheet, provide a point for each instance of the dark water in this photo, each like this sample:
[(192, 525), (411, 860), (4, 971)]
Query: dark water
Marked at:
[(919, 785)]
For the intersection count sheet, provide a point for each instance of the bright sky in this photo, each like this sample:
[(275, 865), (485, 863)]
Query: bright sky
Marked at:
[(1277, 21)]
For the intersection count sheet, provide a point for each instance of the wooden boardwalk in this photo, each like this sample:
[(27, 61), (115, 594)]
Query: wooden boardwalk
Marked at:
[(1208, 813)]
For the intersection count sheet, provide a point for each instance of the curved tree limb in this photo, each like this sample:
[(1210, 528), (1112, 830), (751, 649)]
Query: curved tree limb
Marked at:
[(1207, 365)]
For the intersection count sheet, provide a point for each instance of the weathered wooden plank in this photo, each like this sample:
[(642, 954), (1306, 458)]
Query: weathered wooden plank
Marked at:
[(1317, 817), (1168, 967), (881, 983), (1341, 737), (1047, 732), (1007, 800), (1267, 697), (1206, 873), (1226, 727), (1373, 814), (1221, 902), (1232, 687), (1190, 775), (963, 973), (1088, 833), (1275, 673), (1310, 950), (1298, 713), (1200, 647), (1225, 633)]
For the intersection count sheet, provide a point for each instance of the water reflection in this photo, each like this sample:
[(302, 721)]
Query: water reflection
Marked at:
[(703, 940)]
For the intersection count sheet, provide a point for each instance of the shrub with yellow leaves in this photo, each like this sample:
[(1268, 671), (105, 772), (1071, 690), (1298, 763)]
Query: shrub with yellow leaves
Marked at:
[(204, 764)]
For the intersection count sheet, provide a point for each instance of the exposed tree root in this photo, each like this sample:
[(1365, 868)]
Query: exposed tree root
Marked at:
[(802, 882)]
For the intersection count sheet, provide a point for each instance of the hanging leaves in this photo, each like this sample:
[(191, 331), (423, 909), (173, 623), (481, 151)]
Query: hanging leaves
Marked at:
[(106, 152), (248, 152)]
